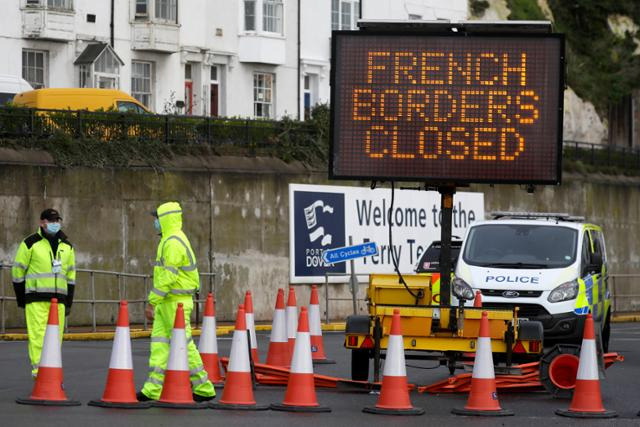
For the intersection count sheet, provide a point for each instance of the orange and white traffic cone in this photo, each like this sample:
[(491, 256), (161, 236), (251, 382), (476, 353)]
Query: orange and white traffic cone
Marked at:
[(394, 395), (483, 397), (48, 389), (587, 401), (176, 390), (477, 301), (208, 344), (291, 313), (251, 326), (120, 391), (238, 388), (315, 328), (278, 354), (301, 390)]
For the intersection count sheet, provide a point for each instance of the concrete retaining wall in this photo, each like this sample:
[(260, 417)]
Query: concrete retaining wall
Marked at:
[(236, 215)]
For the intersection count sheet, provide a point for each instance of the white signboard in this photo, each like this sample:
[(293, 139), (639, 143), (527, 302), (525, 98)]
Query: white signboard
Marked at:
[(324, 217)]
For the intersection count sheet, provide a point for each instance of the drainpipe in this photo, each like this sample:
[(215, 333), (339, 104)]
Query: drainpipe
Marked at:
[(299, 70), (111, 25)]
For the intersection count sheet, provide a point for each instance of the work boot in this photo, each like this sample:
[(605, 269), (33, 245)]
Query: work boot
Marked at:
[(198, 398), (142, 397)]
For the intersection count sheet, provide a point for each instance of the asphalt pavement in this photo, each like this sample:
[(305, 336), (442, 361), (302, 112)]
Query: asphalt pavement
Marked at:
[(86, 365)]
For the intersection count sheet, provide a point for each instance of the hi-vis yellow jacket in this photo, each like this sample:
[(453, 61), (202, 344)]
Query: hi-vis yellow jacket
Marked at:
[(175, 273), (34, 276)]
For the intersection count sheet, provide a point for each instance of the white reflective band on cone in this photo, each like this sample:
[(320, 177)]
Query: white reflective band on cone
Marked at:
[(279, 327), (314, 320), (178, 353), (483, 365), (121, 352), (292, 321), (208, 343), (588, 365), (239, 356), (51, 355), (302, 363), (251, 327), (394, 361)]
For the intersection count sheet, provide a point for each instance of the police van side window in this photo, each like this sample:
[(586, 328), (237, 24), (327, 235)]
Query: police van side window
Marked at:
[(586, 254), (598, 244)]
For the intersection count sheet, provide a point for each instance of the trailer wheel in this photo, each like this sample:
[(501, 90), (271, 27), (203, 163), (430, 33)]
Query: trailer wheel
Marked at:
[(360, 365), (558, 370)]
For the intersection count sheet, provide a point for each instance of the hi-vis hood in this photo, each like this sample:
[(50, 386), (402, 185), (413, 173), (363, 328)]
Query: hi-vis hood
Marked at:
[(170, 217), (503, 278)]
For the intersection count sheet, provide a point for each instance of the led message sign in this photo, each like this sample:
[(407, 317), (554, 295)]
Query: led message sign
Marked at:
[(447, 108)]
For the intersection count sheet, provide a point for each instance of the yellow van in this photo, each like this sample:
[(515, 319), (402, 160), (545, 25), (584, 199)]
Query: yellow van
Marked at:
[(80, 99)]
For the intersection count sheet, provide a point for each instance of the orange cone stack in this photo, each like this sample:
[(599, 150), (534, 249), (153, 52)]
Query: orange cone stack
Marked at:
[(477, 301), (251, 326), (483, 397), (301, 391), (278, 345), (315, 328), (48, 389), (587, 401), (292, 319), (176, 390), (208, 344), (120, 391), (394, 396), (238, 388)]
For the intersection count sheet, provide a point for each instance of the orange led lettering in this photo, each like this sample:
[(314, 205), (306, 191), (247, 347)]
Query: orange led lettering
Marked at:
[(519, 145), (457, 142), (520, 70), (465, 105), (368, 141), (441, 114), (438, 142), (465, 72), (404, 70), (360, 104), (371, 66), (490, 80), (398, 104), (534, 113), (427, 65), (394, 147), (496, 107), (479, 144), (416, 102)]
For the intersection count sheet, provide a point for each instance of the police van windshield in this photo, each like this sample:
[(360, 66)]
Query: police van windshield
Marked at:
[(521, 246)]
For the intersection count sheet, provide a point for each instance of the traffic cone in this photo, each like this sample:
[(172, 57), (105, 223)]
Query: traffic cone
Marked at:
[(394, 395), (176, 390), (208, 344), (477, 301), (587, 401), (317, 347), (251, 327), (483, 397), (292, 319), (238, 388), (301, 391), (48, 389), (120, 391), (278, 354)]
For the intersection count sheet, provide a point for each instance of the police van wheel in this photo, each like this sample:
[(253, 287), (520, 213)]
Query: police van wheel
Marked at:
[(360, 365), (606, 333), (558, 370)]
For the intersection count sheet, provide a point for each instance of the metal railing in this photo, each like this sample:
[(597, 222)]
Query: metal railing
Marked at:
[(622, 159), (123, 288), (354, 297)]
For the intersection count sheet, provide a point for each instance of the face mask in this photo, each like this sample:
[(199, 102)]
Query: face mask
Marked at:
[(156, 224), (53, 227)]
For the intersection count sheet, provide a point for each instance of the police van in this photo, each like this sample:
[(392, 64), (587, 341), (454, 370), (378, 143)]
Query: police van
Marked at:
[(553, 266)]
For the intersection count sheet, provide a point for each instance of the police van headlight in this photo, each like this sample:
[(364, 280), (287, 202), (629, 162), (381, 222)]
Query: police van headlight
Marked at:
[(462, 290), (564, 292)]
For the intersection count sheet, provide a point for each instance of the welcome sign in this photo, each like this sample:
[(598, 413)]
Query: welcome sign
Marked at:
[(323, 217)]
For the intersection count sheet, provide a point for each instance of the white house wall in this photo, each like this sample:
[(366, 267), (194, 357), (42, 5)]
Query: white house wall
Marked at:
[(209, 33)]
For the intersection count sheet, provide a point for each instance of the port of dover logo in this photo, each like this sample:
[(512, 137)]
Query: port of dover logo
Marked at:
[(319, 224)]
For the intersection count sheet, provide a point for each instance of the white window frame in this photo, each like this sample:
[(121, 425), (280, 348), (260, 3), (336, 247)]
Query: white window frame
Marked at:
[(263, 16), (32, 67), (168, 6), (263, 94), (137, 82), (141, 15), (338, 18)]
